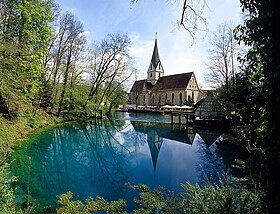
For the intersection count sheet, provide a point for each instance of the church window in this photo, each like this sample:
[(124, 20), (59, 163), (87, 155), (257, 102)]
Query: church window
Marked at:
[(192, 95), (144, 100), (153, 99), (151, 75), (158, 74), (172, 99), (180, 99), (166, 96)]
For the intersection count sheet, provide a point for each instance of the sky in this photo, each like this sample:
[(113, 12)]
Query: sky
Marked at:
[(142, 20)]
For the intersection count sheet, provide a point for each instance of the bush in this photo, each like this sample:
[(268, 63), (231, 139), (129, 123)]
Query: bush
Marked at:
[(6, 192), (220, 199), (224, 198), (99, 204)]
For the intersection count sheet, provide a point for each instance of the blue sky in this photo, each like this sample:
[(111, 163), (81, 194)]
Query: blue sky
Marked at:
[(142, 20)]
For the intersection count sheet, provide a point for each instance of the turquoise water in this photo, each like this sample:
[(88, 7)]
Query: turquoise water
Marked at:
[(98, 158)]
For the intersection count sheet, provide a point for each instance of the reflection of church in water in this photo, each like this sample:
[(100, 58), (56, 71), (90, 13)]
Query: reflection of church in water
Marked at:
[(155, 134), (154, 142)]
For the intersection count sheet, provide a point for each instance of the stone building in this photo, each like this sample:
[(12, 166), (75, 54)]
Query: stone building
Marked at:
[(158, 90)]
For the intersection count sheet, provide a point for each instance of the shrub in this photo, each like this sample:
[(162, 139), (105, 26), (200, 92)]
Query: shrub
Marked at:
[(225, 198)]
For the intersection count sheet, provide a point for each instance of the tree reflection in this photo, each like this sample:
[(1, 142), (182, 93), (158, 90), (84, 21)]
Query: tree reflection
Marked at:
[(85, 159), (98, 158)]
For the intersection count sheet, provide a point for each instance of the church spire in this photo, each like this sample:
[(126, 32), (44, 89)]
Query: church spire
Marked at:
[(155, 70), (155, 57)]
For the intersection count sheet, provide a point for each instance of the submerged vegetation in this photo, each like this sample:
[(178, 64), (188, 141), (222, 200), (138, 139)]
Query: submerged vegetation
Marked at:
[(47, 74)]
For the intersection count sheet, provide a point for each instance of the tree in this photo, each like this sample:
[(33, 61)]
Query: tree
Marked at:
[(109, 62), (115, 96), (260, 32), (62, 65), (222, 55), (24, 34), (75, 46)]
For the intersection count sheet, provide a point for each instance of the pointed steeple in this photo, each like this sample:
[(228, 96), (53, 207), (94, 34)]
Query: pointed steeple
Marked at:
[(154, 143), (155, 70), (155, 57)]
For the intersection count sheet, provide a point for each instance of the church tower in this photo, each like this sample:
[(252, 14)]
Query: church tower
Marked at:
[(155, 70)]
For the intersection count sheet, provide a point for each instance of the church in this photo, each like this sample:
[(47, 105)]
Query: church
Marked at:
[(158, 90)]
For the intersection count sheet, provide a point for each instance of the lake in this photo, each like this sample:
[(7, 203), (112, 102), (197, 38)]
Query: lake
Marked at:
[(100, 157)]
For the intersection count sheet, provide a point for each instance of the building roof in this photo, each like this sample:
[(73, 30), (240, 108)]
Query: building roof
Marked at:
[(172, 82), (155, 57), (139, 85), (213, 103), (177, 81)]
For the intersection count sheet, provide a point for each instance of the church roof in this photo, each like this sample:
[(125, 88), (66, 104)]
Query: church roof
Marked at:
[(138, 85), (172, 82), (177, 81), (155, 57)]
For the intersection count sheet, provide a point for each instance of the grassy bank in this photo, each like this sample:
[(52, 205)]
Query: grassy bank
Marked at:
[(13, 132)]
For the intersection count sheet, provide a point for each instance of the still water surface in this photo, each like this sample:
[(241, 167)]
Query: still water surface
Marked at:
[(98, 158)]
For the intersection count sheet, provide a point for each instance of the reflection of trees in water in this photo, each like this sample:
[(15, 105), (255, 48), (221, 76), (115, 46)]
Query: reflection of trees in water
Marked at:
[(85, 159), (92, 159), (108, 156)]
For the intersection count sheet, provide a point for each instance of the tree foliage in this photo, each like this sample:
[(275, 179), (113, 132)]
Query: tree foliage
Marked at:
[(80, 81), (24, 33), (260, 33), (7, 204), (99, 204)]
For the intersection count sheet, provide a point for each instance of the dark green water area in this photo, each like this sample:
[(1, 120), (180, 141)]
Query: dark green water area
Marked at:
[(98, 158)]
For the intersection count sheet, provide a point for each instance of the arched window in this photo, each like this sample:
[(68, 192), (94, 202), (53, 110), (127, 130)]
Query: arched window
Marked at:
[(172, 101), (180, 99), (153, 99), (192, 95), (144, 100)]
